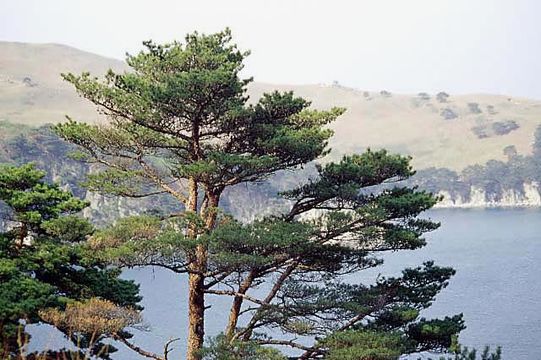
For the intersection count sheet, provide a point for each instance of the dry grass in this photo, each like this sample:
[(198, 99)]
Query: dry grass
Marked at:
[(401, 123)]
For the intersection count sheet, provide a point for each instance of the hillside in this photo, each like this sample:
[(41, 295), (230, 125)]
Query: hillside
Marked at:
[(441, 131)]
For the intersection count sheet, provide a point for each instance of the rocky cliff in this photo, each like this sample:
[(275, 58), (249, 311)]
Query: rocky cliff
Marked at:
[(477, 197), (247, 202)]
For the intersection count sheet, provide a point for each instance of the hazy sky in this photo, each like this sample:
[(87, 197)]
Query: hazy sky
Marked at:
[(460, 46)]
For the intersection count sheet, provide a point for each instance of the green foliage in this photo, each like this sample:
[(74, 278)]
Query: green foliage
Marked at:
[(504, 127), (41, 204), (379, 345), (458, 352), (494, 177), (219, 348), (153, 109), (442, 96), (47, 151), (142, 240), (180, 124), (363, 345), (42, 147), (436, 333), (463, 353), (344, 179), (42, 262)]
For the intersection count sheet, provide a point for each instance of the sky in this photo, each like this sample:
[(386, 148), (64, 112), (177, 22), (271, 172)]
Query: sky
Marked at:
[(403, 46)]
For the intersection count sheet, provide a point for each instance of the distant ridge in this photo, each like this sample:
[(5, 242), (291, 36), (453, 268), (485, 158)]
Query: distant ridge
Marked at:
[(443, 131)]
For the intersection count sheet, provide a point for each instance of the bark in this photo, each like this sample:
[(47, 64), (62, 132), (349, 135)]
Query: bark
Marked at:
[(196, 297), (136, 348), (196, 316), (237, 304), (247, 332), (196, 280)]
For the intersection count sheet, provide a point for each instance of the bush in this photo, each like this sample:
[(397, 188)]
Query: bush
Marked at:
[(364, 345), (221, 349), (442, 96), (480, 131), (510, 151), (504, 127), (448, 114), (474, 108)]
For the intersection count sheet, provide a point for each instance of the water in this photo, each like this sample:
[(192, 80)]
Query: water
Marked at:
[(497, 287)]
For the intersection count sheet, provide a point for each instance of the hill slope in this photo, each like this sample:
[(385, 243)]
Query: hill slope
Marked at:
[(452, 132)]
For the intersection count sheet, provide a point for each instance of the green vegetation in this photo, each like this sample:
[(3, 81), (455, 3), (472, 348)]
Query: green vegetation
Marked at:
[(180, 125), (448, 114), (43, 264), (494, 178), (504, 127), (442, 97), (182, 136), (398, 123), (497, 128)]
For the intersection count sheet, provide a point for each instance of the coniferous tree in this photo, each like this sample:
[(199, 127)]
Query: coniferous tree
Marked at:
[(180, 123), (42, 261)]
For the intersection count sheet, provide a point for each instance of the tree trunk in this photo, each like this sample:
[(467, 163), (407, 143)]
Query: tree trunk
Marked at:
[(196, 316), (196, 284)]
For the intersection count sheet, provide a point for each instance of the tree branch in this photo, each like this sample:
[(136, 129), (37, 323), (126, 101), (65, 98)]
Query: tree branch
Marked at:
[(234, 293), (167, 350), (247, 331), (290, 343), (137, 349)]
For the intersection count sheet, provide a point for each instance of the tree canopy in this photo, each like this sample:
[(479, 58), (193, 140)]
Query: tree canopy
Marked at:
[(181, 123), (42, 261)]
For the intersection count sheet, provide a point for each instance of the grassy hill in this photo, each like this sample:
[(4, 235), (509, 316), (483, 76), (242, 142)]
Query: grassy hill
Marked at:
[(443, 131)]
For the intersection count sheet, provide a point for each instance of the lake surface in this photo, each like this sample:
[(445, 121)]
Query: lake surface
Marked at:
[(497, 254)]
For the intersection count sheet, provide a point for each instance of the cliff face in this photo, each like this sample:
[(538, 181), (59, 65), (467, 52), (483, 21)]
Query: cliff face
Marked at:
[(483, 188), (453, 134), (248, 202), (530, 196)]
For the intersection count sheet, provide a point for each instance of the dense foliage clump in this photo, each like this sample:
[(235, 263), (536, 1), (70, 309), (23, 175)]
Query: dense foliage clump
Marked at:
[(180, 124), (43, 262)]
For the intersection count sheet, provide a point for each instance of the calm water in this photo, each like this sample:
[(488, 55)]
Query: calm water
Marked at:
[(496, 253)]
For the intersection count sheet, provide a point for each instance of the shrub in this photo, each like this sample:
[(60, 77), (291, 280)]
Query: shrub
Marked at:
[(442, 96), (504, 127), (480, 131), (474, 108), (448, 114)]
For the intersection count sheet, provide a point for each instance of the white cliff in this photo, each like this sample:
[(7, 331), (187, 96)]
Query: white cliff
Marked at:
[(478, 198)]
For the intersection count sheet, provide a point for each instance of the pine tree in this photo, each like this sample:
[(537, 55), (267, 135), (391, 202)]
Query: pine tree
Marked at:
[(42, 261), (179, 123)]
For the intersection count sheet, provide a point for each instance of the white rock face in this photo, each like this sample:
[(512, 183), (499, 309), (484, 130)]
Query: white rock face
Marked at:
[(532, 193), (530, 197), (115, 207), (478, 197)]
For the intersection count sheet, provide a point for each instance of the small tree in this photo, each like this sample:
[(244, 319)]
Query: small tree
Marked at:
[(442, 97), (179, 123), (42, 260), (510, 151)]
